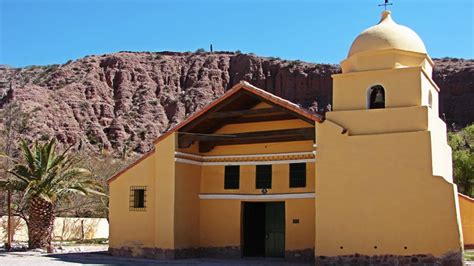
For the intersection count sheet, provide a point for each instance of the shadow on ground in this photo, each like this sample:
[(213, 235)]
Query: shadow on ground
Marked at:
[(104, 258)]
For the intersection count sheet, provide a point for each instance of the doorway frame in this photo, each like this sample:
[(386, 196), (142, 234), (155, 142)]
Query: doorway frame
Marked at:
[(242, 226)]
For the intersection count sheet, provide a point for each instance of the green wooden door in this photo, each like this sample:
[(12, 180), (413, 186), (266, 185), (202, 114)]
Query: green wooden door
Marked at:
[(275, 229)]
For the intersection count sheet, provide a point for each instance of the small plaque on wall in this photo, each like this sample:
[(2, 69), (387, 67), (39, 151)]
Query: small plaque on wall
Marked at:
[(296, 221)]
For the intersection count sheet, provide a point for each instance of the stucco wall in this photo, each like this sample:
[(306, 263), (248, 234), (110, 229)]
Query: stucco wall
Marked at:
[(440, 150), (376, 195), (153, 227), (213, 179), (377, 121), (385, 59), (427, 87), (301, 235), (276, 147), (263, 126), (221, 223), (165, 192), (187, 214), (466, 206), (273, 147), (65, 228), (128, 228), (402, 88)]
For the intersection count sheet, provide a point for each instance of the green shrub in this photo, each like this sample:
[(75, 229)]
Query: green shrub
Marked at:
[(200, 51)]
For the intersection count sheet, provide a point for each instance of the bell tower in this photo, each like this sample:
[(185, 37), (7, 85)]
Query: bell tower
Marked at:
[(384, 173)]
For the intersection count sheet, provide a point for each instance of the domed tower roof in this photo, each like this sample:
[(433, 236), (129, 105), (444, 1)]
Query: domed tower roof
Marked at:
[(387, 35), (387, 45)]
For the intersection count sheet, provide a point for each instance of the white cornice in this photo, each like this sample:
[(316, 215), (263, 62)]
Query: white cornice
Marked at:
[(188, 161), (212, 157), (258, 196)]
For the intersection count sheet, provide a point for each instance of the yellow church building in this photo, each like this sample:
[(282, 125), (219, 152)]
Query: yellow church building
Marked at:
[(254, 175)]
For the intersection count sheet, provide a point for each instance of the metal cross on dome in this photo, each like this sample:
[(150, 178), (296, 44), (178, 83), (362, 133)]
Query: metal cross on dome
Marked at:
[(385, 4)]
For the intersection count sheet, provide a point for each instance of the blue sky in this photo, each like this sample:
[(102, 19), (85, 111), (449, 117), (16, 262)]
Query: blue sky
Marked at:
[(39, 32)]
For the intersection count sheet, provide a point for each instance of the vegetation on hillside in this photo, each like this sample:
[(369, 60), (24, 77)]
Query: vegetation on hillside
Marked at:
[(14, 122), (101, 166), (462, 143)]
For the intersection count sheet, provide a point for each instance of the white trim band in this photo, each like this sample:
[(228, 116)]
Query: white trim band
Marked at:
[(258, 197), (188, 161), (181, 160), (190, 155)]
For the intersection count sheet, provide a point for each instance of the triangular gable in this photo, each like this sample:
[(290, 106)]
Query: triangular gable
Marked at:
[(244, 85), (241, 86)]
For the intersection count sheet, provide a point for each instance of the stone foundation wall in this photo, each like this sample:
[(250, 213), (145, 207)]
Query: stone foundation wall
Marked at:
[(452, 259), (231, 252), (149, 253), (306, 255)]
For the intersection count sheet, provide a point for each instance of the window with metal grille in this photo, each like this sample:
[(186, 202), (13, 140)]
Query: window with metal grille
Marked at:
[(263, 176), (137, 198), (297, 174), (232, 177)]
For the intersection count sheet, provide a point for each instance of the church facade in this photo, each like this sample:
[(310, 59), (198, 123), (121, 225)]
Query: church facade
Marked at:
[(253, 175)]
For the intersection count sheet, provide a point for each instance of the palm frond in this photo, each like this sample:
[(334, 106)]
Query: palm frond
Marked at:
[(13, 185), (20, 176), (27, 154), (75, 172), (49, 153), (50, 175)]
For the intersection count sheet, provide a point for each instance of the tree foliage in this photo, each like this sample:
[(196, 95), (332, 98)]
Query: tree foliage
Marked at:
[(102, 166), (14, 122), (49, 175), (44, 177), (462, 143)]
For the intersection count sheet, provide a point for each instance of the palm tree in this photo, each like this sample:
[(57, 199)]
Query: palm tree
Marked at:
[(45, 177)]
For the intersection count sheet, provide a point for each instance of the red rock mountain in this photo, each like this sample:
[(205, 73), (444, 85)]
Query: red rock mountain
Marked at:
[(123, 101)]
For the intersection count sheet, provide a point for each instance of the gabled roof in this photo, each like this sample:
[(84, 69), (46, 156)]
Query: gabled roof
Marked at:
[(242, 86), (245, 86)]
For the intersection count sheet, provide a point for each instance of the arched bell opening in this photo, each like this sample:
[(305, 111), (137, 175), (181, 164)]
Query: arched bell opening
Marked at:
[(376, 97)]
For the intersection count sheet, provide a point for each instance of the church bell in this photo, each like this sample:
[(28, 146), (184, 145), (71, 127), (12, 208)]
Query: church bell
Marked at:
[(379, 97)]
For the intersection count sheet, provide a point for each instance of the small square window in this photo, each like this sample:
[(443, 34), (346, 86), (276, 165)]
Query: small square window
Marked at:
[(137, 198), (232, 177), (263, 176), (297, 174)]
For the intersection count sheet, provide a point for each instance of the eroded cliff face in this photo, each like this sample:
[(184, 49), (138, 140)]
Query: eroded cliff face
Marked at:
[(455, 78), (123, 101)]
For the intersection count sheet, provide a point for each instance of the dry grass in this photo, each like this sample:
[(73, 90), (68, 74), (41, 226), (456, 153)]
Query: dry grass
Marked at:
[(469, 255)]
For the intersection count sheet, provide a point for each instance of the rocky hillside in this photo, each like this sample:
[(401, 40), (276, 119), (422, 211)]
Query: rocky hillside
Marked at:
[(125, 100)]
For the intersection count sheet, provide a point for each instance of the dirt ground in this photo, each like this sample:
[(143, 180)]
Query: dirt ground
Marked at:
[(97, 255)]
